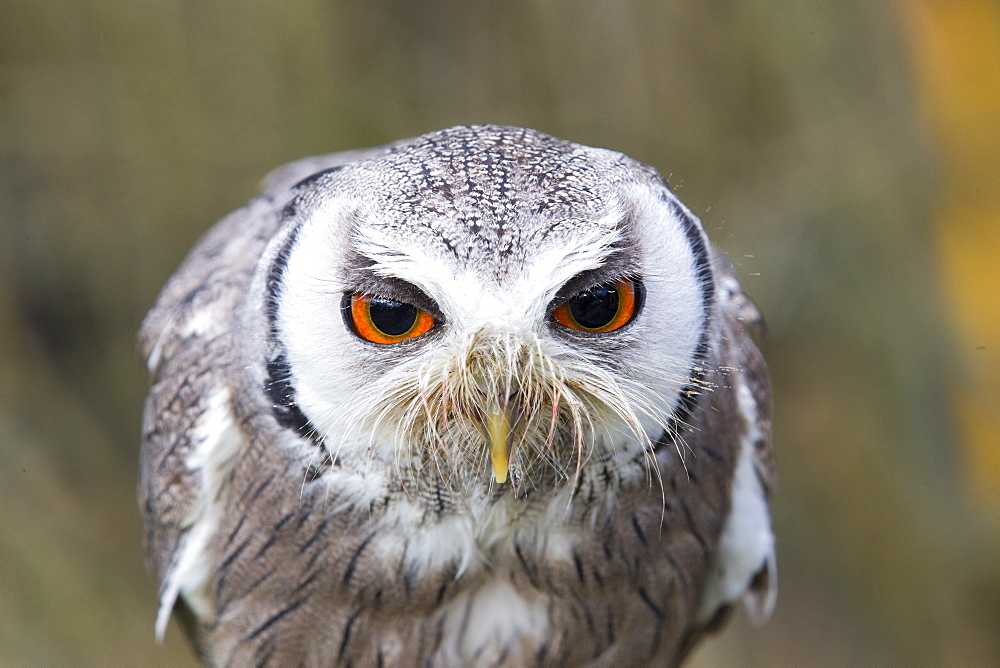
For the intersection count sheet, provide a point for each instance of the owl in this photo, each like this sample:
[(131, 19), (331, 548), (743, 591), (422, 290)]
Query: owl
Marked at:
[(483, 397)]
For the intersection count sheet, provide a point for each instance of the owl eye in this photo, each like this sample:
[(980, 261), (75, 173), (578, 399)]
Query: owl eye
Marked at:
[(602, 309), (384, 321)]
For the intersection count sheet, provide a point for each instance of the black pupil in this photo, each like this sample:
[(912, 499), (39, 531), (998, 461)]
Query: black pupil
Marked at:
[(596, 307), (391, 317)]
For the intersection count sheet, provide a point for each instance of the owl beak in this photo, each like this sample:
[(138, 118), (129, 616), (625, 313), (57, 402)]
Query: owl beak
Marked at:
[(499, 432)]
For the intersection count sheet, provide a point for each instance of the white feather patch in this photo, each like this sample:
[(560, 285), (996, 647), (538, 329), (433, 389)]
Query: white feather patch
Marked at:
[(497, 615), (200, 323), (747, 542), (217, 441), (429, 546), (157, 351)]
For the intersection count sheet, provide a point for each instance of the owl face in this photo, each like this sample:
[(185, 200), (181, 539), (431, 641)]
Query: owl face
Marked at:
[(487, 306)]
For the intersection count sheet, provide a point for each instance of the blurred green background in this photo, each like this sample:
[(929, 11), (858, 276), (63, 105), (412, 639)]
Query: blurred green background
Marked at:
[(845, 154)]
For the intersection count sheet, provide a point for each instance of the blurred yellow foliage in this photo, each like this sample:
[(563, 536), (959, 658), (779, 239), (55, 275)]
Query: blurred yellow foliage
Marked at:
[(956, 49)]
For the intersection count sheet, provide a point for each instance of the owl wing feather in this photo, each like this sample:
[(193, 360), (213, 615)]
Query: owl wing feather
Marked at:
[(743, 566), (189, 434), (747, 321), (188, 341)]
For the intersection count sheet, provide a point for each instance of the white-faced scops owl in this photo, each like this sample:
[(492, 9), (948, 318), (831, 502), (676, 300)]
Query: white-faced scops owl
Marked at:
[(482, 397)]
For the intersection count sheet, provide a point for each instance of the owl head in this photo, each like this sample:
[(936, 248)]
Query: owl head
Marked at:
[(486, 304)]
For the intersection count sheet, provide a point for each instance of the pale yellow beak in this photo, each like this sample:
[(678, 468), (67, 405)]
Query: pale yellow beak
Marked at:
[(498, 431)]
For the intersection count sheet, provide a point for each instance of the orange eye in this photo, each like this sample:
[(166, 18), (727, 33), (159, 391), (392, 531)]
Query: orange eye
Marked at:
[(602, 309), (384, 321)]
